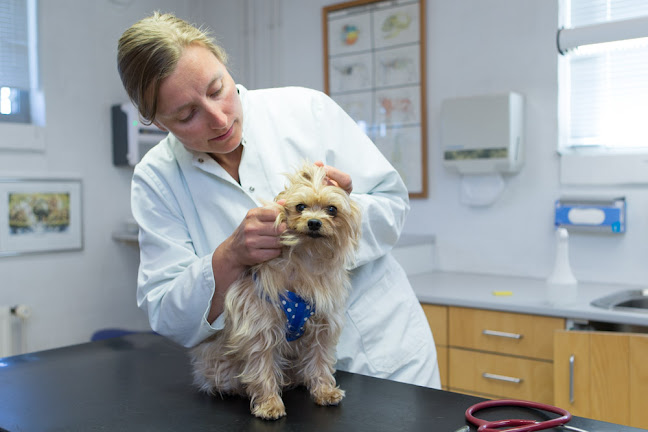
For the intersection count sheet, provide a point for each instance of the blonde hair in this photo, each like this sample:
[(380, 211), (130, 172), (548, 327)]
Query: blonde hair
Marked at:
[(149, 51)]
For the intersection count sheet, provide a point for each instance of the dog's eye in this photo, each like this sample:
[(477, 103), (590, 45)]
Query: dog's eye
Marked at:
[(331, 210), (300, 207)]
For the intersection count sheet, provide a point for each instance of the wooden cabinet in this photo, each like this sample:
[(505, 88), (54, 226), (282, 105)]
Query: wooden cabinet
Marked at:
[(602, 376), (437, 317), (639, 380), (501, 354)]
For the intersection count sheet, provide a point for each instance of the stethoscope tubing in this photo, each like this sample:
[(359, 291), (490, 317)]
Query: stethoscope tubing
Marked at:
[(518, 425)]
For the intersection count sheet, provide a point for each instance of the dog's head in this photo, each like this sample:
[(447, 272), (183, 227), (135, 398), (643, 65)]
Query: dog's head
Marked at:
[(318, 213)]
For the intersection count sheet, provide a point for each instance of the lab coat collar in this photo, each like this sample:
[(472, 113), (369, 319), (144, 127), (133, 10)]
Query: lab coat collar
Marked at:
[(242, 91)]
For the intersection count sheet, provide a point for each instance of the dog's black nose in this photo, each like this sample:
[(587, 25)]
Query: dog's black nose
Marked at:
[(314, 224)]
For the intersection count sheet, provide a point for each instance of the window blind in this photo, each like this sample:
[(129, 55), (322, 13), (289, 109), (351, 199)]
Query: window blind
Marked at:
[(604, 82), (14, 45)]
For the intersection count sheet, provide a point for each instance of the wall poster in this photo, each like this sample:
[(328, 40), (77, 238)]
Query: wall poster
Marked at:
[(374, 68)]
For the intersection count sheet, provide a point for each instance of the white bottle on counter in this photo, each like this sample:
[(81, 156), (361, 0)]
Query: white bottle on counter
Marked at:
[(562, 286)]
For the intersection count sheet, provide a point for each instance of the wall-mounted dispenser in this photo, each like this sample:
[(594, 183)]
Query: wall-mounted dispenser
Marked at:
[(483, 134), (483, 137), (131, 138), (592, 214)]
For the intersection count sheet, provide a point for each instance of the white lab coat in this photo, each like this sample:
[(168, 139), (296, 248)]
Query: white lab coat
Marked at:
[(186, 205)]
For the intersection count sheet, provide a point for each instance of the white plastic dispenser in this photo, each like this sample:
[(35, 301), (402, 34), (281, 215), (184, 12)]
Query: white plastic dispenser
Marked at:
[(483, 137), (562, 286), (483, 134)]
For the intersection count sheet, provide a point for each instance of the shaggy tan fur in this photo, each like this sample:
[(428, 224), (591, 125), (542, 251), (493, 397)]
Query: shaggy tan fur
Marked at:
[(251, 355)]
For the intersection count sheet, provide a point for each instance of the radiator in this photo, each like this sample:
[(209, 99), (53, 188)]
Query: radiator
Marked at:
[(12, 339)]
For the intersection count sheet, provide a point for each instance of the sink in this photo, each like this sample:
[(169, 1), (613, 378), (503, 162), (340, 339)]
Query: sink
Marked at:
[(628, 300)]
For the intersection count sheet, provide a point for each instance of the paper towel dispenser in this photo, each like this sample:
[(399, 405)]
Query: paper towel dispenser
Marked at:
[(131, 138), (483, 134)]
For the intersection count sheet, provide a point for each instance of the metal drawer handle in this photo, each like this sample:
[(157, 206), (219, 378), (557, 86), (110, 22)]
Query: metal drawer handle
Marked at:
[(501, 378), (572, 360), (502, 334)]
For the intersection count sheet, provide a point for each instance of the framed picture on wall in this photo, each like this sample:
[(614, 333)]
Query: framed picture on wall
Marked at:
[(374, 68), (40, 215)]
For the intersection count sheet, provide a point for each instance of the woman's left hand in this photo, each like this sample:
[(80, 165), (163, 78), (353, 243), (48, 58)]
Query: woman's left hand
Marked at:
[(336, 177)]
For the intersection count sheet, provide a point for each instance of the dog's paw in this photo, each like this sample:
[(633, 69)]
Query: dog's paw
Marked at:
[(327, 395), (271, 408)]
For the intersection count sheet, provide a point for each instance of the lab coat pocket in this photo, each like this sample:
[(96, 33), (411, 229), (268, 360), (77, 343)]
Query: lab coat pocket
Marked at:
[(389, 320)]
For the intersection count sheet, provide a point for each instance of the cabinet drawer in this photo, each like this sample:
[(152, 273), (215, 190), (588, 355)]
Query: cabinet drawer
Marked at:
[(501, 376), (442, 360), (437, 317), (503, 332)]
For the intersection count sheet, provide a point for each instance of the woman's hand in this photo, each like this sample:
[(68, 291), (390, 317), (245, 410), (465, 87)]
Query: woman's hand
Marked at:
[(254, 241), (336, 177)]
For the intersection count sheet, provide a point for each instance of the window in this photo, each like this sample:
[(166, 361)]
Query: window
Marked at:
[(19, 92), (603, 89)]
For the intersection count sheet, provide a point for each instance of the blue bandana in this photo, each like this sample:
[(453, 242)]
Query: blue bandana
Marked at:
[(297, 312)]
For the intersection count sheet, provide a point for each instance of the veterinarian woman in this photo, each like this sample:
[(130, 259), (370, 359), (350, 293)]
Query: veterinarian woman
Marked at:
[(197, 195)]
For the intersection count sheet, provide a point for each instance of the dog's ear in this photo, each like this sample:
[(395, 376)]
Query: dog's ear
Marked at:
[(306, 175), (282, 216)]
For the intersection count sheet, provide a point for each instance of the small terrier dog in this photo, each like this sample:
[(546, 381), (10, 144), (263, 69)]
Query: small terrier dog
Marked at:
[(283, 318)]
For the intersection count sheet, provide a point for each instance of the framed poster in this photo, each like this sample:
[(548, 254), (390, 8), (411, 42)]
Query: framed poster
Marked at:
[(374, 68), (40, 215)]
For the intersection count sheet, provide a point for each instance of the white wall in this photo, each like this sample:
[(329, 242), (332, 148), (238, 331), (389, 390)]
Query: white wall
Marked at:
[(473, 47), (489, 46)]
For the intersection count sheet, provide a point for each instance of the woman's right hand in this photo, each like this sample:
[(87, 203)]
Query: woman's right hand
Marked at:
[(256, 239)]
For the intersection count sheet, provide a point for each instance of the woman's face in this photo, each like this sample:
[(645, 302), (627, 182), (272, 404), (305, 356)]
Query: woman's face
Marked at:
[(199, 104)]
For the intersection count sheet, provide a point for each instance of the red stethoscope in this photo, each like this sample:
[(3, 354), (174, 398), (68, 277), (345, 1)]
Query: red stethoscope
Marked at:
[(518, 425)]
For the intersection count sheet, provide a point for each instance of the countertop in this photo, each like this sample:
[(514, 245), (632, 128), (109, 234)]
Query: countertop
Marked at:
[(528, 296), (142, 382)]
